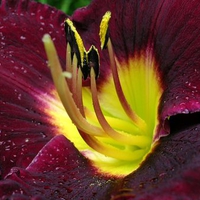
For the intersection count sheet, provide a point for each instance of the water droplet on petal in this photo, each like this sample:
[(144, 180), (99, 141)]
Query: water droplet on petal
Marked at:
[(22, 37)]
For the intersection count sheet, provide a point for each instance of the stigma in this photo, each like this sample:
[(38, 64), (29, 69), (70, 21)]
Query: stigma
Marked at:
[(107, 122)]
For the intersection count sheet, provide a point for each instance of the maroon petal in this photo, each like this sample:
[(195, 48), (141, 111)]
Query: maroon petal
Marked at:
[(24, 127), (170, 28), (172, 171), (59, 171)]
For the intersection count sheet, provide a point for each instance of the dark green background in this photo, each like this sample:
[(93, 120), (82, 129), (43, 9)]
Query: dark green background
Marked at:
[(68, 6)]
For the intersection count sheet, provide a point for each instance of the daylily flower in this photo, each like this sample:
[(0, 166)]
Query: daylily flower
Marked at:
[(119, 120)]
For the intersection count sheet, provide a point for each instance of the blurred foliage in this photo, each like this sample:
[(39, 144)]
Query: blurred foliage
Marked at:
[(68, 6)]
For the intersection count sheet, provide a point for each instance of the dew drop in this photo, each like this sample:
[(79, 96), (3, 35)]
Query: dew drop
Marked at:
[(19, 96), (56, 192), (43, 134), (27, 140), (22, 37), (141, 185), (3, 43), (194, 87)]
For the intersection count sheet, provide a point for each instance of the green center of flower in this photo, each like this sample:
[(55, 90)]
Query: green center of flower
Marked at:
[(117, 121)]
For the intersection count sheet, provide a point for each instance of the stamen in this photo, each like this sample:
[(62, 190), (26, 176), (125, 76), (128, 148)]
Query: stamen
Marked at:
[(64, 92), (93, 60), (76, 83), (88, 131), (68, 58), (132, 115), (113, 152), (79, 93), (69, 64), (128, 139), (117, 124), (75, 41), (103, 33), (121, 139), (74, 76)]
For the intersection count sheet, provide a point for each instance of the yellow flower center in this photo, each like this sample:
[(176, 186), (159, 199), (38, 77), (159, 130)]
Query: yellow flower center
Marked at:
[(117, 122)]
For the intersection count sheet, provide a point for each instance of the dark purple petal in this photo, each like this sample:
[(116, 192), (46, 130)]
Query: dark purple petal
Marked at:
[(58, 171), (170, 28), (24, 127), (172, 171)]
